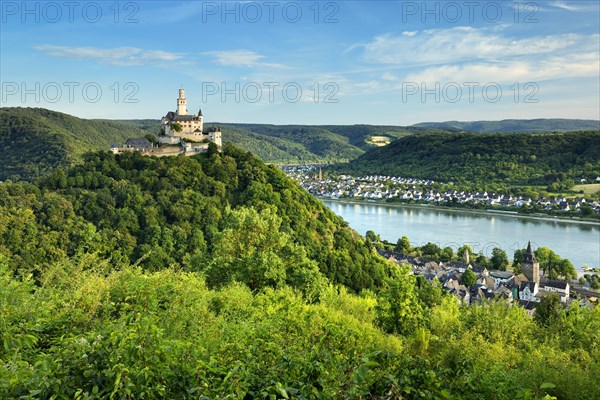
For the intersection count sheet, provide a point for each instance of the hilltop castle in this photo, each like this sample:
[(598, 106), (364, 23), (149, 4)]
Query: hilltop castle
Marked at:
[(177, 126), (181, 133)]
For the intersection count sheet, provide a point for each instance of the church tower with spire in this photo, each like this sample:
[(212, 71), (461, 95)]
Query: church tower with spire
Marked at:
[(530, 266)]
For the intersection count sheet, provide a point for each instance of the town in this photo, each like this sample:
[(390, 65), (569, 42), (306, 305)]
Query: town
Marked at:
[(525, 289), (424, 191)]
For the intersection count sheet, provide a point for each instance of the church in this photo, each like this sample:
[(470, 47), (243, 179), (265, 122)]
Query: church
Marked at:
[(532, 287)]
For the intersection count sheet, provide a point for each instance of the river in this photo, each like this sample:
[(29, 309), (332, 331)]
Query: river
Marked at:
[(579, 242)]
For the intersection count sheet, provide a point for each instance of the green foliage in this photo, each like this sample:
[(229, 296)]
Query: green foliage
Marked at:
[(549, 313), (216, 277), (554, 266), (403, 245), (483, 160), (176, 127), (317, 143), (301, 143), (431, 250), (224, 210), (36, 140), (165, 335), (499, 259), (398, 308), (516, 125), (468, 278)]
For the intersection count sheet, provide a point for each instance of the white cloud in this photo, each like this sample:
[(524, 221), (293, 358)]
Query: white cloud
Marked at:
[(121, 56), (579, 65), (564, 6), (240, 58), (463, 44)]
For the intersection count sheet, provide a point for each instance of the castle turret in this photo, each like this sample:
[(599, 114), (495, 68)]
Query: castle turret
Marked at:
[(201, 120), (530, 266), (181, 103)]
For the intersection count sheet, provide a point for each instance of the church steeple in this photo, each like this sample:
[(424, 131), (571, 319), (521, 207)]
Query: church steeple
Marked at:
[(529, 257), (530, 266)]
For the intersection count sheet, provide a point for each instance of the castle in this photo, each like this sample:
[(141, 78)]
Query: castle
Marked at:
[(181, 133), (177, 126)]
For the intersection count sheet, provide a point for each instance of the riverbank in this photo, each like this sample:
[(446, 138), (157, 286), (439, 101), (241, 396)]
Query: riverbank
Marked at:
[(548, 218)]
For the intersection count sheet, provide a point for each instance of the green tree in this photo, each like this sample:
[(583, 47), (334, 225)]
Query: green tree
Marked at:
[(549, 312), (517, 258), (176, 127), (151, 138), (483, 261), (403, 245), (554, 266), (468, 278), (398, 307), (251, 249), (431, 250), (447, 254), (499, 259), (586, 210), (370, 235)]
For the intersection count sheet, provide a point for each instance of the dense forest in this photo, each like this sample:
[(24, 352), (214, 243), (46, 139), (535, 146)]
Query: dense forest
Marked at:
[(35, 140), (333, 142), (301, 143), (155, 212), (484, 159), (517, 125), (217, 277)]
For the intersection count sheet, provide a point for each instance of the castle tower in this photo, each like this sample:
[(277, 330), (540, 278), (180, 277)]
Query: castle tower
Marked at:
[(181, 103), (530, 266), (201, 120)]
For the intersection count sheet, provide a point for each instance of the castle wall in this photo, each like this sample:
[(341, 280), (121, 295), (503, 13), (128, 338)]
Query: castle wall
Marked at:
[(169, 139)]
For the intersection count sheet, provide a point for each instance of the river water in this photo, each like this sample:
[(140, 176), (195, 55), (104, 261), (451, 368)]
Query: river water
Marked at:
[(578, 242)]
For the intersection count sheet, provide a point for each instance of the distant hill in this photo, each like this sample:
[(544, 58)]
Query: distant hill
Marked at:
[(302, 143), (35, 140), (516, 125), (486, 158)]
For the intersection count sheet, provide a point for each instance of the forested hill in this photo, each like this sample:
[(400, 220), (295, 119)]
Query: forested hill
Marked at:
[(35, 140), (157, 212), (514, 159), (517, 125), (328, 142), (217, 277), (302, 143)]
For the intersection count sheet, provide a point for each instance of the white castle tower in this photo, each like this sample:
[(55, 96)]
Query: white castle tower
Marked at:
[(181, 103), (179, 126)]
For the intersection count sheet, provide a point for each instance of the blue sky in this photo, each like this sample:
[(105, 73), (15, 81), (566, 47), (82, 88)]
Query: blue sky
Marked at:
[(311, 62)]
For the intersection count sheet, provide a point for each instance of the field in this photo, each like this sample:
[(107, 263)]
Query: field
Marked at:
[(590, 188), (379, 141)]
